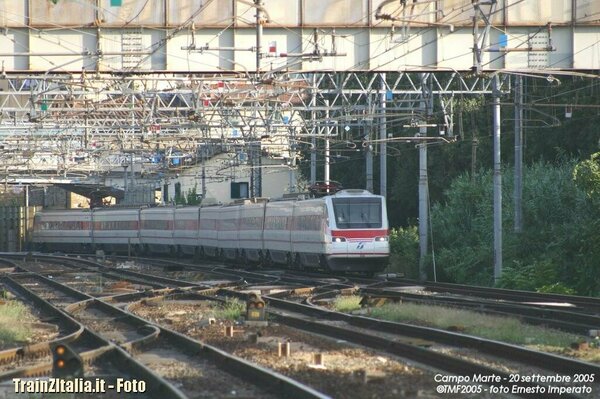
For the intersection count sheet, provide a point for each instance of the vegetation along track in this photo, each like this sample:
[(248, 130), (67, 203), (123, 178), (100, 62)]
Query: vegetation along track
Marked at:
[(579, 315), (541, 313), (580, 303)]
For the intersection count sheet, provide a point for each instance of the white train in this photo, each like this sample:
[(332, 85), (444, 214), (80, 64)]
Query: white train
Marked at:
[(347, 231)]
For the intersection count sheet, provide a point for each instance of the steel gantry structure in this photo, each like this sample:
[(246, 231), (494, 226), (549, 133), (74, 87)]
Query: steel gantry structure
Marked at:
[(60, 124)]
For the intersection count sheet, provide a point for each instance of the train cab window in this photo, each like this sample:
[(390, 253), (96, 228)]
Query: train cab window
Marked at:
[(357, 213)]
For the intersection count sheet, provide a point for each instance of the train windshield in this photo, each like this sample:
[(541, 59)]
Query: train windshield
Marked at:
[(357, 213)]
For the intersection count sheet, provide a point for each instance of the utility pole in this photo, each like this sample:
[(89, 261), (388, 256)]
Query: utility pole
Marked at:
[(327, 127), (259, 171), (256, 159), (425, 107), (132, 165), (313, 139), (259, 33), (474, 144), (497, 180), (368, 160), (292, 161), (383, 143), (125, 166), (368, 148), (518, 190), (203, 172)]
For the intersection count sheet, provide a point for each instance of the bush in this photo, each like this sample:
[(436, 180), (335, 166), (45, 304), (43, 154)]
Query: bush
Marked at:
[(404, 251), (231, 309), (557, 250), (13, 323), (347, 303)]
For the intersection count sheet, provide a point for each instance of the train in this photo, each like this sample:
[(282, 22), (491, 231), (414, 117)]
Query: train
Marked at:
[(347, 231)]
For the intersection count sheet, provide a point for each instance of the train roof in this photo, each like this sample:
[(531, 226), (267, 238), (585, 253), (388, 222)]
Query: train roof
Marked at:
[(354, 193)]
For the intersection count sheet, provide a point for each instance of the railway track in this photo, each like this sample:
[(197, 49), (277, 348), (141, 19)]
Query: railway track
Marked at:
[(537, 313), (199, 367), (579, 303), (534, 313), (571, 314), (561, 318), (101, 357), (510, 352), (393, 338), (580, 323)]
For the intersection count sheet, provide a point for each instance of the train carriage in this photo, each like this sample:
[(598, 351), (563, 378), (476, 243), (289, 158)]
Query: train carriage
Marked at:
[(307, 235), (250, 227), (228, 231), (185, 233), (156, 229), (208, 233), (116, 230), (277, 245), (63, 230)]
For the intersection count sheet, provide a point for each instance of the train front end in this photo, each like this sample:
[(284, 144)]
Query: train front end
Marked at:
[(357, 232)]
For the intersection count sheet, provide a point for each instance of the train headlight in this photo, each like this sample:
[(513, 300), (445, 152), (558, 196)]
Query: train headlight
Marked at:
[(339, 239), (381, 239)]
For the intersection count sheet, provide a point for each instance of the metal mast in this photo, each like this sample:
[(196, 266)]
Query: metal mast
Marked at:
[(425, 110), (383, 144), (368, 147), (497, 180), (518, 190)]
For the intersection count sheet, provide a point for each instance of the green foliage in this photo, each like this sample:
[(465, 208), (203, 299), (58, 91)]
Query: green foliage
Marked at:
[(13, 326), (190, 198), (347, 303), (556, 288), (231, 309), (557, 250), (471, 104), (587, 176), (531, 277), (506, 329), (404, 251)]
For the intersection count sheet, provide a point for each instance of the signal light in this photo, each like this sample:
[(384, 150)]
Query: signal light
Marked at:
[(255, 309), (66, 362)]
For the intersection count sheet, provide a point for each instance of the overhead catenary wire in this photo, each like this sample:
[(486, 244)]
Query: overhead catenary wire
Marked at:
[(348, 69)]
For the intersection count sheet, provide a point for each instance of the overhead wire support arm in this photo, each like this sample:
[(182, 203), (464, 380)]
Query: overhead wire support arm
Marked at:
[(479, 38), (206, 47), (317, 54), (379, 15)]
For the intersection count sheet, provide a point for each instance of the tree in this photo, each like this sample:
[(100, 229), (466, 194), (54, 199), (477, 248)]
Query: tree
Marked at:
[(557, 250), (190, 198), (587, 176)]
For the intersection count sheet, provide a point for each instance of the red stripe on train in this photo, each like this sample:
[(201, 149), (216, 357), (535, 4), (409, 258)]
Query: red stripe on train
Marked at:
[(359, 233)]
